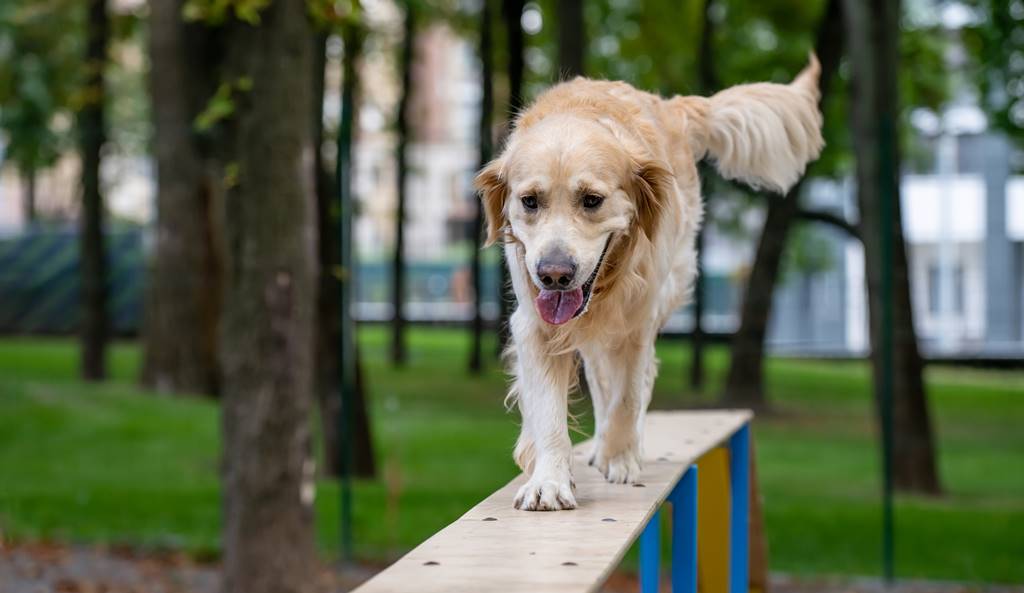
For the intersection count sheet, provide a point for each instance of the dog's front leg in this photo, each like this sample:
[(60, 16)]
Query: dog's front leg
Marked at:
[(544, 450)]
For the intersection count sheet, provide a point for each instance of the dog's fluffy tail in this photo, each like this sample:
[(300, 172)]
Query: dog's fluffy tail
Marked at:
[(763, 134)]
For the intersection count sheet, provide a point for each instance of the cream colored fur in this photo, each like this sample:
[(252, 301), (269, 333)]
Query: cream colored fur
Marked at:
[(639, 152)]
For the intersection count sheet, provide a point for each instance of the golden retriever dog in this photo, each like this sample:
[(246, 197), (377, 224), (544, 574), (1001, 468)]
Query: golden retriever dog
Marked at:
[(596, 199)]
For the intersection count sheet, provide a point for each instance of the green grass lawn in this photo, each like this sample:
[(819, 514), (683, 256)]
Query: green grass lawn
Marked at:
[(112, 463)]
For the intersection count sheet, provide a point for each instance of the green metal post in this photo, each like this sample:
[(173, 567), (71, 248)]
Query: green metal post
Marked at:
[(886, 155)]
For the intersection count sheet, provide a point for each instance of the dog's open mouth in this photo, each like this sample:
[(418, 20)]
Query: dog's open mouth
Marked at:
[(559, 306)]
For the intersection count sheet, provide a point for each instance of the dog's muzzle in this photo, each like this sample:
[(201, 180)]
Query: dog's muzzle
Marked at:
[(560, 306)]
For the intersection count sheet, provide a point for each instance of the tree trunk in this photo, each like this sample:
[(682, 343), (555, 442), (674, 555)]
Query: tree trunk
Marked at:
[(398, 347), (270, 290), (92, 130), (873, 35), (329, 258), (183, 285), (697, 332), (572, 39), (708, 85), (328, 326), (486, 150), (744, 384), (512, 11), (28, 196), (328, 322)]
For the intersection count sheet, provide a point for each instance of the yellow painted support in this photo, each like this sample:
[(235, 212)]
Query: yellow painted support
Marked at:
[(713, 521), (712, 526)]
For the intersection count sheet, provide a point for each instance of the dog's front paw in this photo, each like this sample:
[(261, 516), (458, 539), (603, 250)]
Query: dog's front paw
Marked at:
[(620, 468), (546, 493)]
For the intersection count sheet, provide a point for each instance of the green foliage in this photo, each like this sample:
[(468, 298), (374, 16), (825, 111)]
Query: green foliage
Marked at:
[(926, 82), (39, 68), (127, 97), (222, 104), (808, 251), (33, 143), (128, 104), (995, 42), (652, 45), (332, 15), (763, 41), (231, 172), (216, 12), (41, 75)]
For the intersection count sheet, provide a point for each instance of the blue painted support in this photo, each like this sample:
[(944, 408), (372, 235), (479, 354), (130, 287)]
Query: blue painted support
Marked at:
[(650, 554), (684, 533), (739, 517)]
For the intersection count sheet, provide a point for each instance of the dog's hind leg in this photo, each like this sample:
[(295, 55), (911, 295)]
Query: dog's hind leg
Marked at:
[(595, 365)]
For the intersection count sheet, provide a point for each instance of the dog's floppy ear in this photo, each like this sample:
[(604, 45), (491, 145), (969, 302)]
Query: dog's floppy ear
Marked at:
[(650, 183), (765, 134), (493, 190)]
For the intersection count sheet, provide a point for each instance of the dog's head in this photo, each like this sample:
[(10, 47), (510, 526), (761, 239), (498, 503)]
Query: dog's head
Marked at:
[(573, 182), (565, 188)]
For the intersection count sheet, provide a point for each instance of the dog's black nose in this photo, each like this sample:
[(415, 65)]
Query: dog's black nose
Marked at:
[(556, 270)]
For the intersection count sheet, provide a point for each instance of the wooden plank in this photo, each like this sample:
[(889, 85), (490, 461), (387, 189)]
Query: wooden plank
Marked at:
[(494, 547)]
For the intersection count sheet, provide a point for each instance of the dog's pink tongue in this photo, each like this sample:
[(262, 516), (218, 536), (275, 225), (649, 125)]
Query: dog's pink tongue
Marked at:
[(558, 306)]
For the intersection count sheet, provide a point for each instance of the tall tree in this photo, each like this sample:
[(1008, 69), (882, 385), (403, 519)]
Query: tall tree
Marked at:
[(398, 347), (330, 314), (512, 13), (328, 323), (92, 131), (353, 406), (269, 302), (572, 39), (486, 150), (708, 83), (184, 280), (873, 33), (744, 383)]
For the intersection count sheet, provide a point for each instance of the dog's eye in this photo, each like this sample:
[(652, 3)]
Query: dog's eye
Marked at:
[(592, 201), (529, 202)]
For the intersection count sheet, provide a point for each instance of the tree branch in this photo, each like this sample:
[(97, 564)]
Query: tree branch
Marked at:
[(829, 218)]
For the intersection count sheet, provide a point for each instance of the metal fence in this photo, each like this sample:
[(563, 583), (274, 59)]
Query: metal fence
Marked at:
[(40, 284)]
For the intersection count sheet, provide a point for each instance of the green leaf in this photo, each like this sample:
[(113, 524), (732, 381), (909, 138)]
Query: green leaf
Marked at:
[(218, 108)]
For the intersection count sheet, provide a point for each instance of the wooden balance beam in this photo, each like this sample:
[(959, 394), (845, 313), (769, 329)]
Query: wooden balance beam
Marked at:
[(496, 548)]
